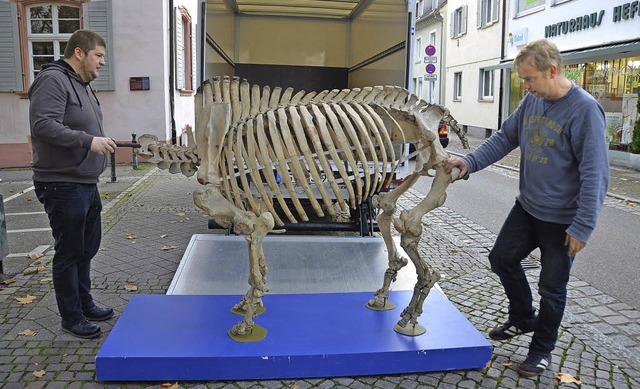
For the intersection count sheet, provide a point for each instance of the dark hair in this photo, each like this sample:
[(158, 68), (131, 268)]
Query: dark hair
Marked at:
[(84, 39), (541, 53)]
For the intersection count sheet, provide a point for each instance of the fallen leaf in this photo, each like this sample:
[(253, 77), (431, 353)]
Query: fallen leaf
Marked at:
[(46, 279), (33, 270), (27, 333), (506, 364), (164, 235), (180, 214), (130, 288), (165, 248), (294, 386), (131, 236), (9, 281), (26, 300), (39, 373), (170, 385), (36, 256), (566, 378)]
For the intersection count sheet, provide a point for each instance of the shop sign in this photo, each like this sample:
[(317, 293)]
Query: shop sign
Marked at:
[(621, 12)]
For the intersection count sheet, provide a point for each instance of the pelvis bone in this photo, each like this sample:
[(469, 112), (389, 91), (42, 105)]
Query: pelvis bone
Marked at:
[(261, 152)]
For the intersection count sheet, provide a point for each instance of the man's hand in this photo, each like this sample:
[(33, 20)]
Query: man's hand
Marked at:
[(574, 244), (452, 162), (103, 146)]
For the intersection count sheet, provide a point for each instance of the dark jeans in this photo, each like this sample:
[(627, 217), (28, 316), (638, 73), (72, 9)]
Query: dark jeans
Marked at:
[(519, 236), (74, 215)]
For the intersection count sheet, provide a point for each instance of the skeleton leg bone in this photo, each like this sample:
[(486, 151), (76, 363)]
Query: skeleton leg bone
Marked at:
[(410, 227), (387, 202)]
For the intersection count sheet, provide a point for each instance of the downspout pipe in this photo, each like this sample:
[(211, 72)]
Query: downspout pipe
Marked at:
[(502, 55), (172, 71)]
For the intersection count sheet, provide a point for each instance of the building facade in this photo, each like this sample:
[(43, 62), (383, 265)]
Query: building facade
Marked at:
[(600, 46), (429, 47), (147, 85), (475, 30)]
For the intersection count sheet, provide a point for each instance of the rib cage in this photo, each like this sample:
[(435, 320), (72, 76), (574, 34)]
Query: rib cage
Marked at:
[(302, 139)]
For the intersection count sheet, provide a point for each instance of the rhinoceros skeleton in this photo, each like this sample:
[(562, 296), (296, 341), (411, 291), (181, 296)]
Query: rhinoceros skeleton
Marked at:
[(244, 133)]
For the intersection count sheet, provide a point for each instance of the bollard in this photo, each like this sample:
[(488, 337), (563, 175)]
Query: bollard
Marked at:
[(134, 156), (113, 167)]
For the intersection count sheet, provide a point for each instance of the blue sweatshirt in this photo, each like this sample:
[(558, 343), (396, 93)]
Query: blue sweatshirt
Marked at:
[(65, 116), (564, 167)]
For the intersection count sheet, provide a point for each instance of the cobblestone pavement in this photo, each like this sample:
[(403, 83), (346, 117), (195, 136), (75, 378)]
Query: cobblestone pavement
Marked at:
[(599, 342)]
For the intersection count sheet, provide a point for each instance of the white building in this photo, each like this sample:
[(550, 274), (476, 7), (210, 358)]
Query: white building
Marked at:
[(146, 87), (473, 46), (428, 52)]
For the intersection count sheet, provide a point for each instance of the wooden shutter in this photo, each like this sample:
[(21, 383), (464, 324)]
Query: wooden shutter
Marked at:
[(495, 13), (179, 49), (10, 66), (97, 18)]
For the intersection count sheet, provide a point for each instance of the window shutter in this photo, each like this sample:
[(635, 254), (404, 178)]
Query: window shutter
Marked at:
[(463, 28), (479, 13), (179, 49), (97, 18), (10, 66), (452, 23), (495, 12), (194, 53)]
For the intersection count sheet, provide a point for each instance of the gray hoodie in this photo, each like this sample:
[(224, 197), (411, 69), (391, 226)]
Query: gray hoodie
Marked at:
[(65, 116)]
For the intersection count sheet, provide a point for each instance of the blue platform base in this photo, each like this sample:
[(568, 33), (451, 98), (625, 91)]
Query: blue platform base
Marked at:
[(184, 337)]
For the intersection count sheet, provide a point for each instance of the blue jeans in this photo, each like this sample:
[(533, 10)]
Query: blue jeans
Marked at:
[(519, 236), (74, 216)]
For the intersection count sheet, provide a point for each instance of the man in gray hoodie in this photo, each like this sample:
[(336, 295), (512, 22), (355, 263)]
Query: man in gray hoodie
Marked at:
[(70, 152)]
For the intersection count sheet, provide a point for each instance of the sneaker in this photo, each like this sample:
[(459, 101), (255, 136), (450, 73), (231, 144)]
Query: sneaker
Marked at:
[(83, 329), (508, 330), (535, 364), (96, 313)]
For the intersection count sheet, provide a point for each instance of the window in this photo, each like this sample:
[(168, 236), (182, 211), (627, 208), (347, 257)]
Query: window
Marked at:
[(432, 38), (457, 86), (34, 33), (419, 8), (487, 12), (528, 6), (486, 84), (459, 22), (418, 85), (49, 27), (432, 92), (418, 53), (185, 51)]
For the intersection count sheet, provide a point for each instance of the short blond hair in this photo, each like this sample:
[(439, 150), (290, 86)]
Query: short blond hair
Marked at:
[(541, 53)]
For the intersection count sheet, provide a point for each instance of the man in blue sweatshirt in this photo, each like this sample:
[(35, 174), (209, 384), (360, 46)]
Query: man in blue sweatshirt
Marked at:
[(70, 152), (564, 175)]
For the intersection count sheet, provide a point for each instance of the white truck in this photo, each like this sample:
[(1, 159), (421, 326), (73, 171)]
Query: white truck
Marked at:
[(309, 45)]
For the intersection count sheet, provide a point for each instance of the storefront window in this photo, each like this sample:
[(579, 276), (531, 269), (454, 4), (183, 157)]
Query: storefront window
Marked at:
[(615, 84)]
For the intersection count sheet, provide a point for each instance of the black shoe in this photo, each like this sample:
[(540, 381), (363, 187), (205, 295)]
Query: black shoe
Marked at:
[(98, 314), (535, 364), (83, 329), (508, 330)]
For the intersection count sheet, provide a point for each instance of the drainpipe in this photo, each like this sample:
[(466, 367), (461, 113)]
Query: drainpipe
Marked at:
[(502, 54), (172, 71)]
